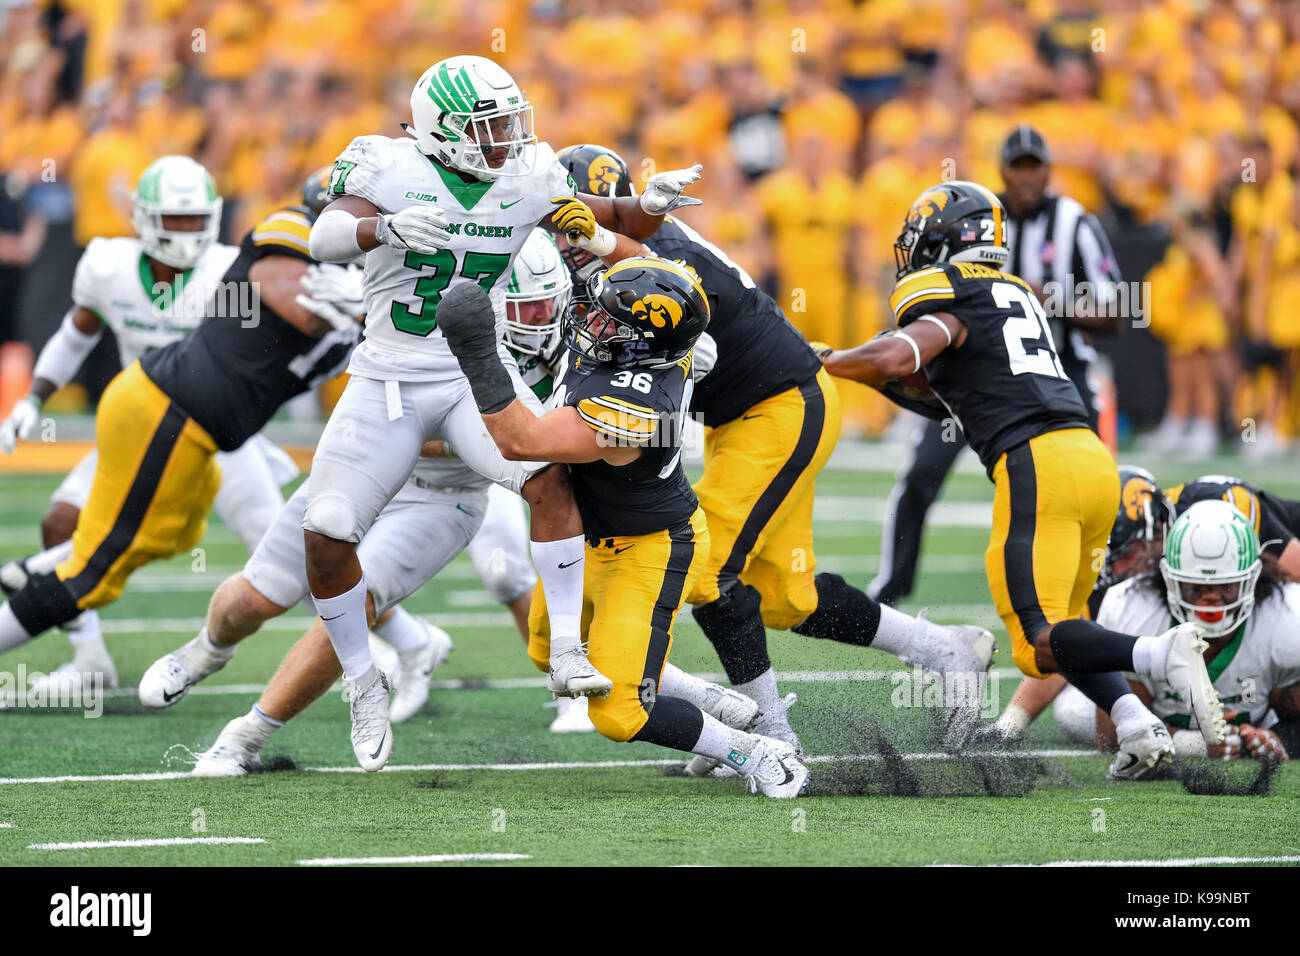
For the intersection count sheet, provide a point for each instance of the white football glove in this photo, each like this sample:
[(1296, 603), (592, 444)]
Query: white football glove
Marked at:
[(422, 228), (26, 413), (342, 285), (328, 311), (663, 191)]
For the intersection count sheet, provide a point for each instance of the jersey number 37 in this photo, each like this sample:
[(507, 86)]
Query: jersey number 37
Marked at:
[(1027, 323)]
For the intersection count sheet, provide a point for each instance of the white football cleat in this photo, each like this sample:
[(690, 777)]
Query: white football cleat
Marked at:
[(571, 716), (732, 708), (775, 723), (13, 576), (774, 770), (573, 676), (960, 656), (372, 734), (1182, 667), (170, 678), (415, 666), (1141, 748), (237, 750), (68, 680)]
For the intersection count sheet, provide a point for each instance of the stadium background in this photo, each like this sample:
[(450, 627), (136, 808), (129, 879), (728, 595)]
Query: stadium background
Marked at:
[(1175, 121)]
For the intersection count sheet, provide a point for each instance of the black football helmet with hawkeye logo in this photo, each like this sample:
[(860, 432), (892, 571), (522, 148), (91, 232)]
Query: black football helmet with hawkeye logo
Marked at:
[(1145, 514), (953, 222), (643, 312), (599, 171)]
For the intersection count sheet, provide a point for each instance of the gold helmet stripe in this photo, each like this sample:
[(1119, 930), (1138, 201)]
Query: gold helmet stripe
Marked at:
[(996, 206)]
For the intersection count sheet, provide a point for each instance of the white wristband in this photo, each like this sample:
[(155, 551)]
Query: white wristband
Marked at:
[(929, 318), (915, 351), (65, 352), (1189, 743), (334, 237), (601, 244)]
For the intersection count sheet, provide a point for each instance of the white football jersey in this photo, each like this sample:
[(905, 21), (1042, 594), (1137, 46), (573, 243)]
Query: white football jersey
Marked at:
[(113, 281), (1263, 656), (490, 222)]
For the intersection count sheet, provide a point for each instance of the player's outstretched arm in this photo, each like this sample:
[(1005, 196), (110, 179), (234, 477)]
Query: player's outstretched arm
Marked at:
[(351, 225), (897, 352), (640, 216), (59, 360), (278, 280), (560, 435)]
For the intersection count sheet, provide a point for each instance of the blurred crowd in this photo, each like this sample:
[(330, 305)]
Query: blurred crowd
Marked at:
[(818, 121)]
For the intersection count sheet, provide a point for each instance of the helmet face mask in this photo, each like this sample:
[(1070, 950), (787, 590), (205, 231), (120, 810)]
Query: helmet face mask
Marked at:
[(471, 116), (1137, 538), (175, 186), (1211, 555), (953, 222), (641, 313), (536, 297)]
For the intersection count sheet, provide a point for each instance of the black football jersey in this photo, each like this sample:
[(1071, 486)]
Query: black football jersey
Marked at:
[(243, 361), (1005, 385), (633, 407), (1276, 520), (759, 352)]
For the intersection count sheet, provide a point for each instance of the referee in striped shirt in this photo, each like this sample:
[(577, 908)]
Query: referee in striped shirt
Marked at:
[(1061, 251)]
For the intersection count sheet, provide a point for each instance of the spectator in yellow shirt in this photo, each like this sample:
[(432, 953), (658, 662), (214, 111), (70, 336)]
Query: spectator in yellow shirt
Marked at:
[(105, 171)]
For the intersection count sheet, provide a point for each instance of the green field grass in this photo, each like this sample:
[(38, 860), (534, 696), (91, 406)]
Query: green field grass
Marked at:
[(448, 791)]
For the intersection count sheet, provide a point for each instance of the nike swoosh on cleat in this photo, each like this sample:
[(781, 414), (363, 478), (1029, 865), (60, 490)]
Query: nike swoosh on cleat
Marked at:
[(171, 697), (570, 564), (375, 755), (788, 775)]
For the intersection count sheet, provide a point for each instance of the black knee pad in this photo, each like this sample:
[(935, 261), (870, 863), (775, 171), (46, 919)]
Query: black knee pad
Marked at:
[(843, 613), (44, 602), (734, 625)]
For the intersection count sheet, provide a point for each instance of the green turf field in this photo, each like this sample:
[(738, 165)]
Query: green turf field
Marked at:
[(478, 773)]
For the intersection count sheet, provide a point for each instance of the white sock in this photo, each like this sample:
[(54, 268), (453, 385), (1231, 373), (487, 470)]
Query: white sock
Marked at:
[(716, 739), (762, 689), (1129, 709), (209, 646), (561, 566), (273, 723), (1014, 720), (83, 630), (402, 630), (49, 559), (344, 617), (677, 683), (12, 634), (1142, 650), (895, 632)]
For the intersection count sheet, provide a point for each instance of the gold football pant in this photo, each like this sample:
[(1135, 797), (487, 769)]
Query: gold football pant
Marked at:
[(757, 494), (153, 487), (1055, 499), (633, 588)]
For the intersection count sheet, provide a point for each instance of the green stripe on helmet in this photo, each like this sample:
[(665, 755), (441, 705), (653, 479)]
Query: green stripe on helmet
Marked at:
[(466, 87), (150, 185), (448, 88)]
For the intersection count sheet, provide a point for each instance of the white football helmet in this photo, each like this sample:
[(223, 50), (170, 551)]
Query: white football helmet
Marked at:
[(1211, 544), (175, 186), (465, 107), (539, 275)]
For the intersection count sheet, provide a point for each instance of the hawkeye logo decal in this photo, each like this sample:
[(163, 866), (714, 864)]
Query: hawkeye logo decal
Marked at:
[(1136, 498), (925, 207), (662, 311), (602, 176)]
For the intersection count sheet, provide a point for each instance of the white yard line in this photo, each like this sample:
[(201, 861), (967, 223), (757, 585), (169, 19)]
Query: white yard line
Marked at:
[(523, 683), (6, 826), (551, 765), (168, 841), (430, 858), (1173, 861)]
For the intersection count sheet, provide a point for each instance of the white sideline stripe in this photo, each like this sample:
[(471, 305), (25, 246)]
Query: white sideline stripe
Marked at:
[(1175, 861), (520, 683), (430, 858), (168, 841), (6, 826), (555, 765)]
